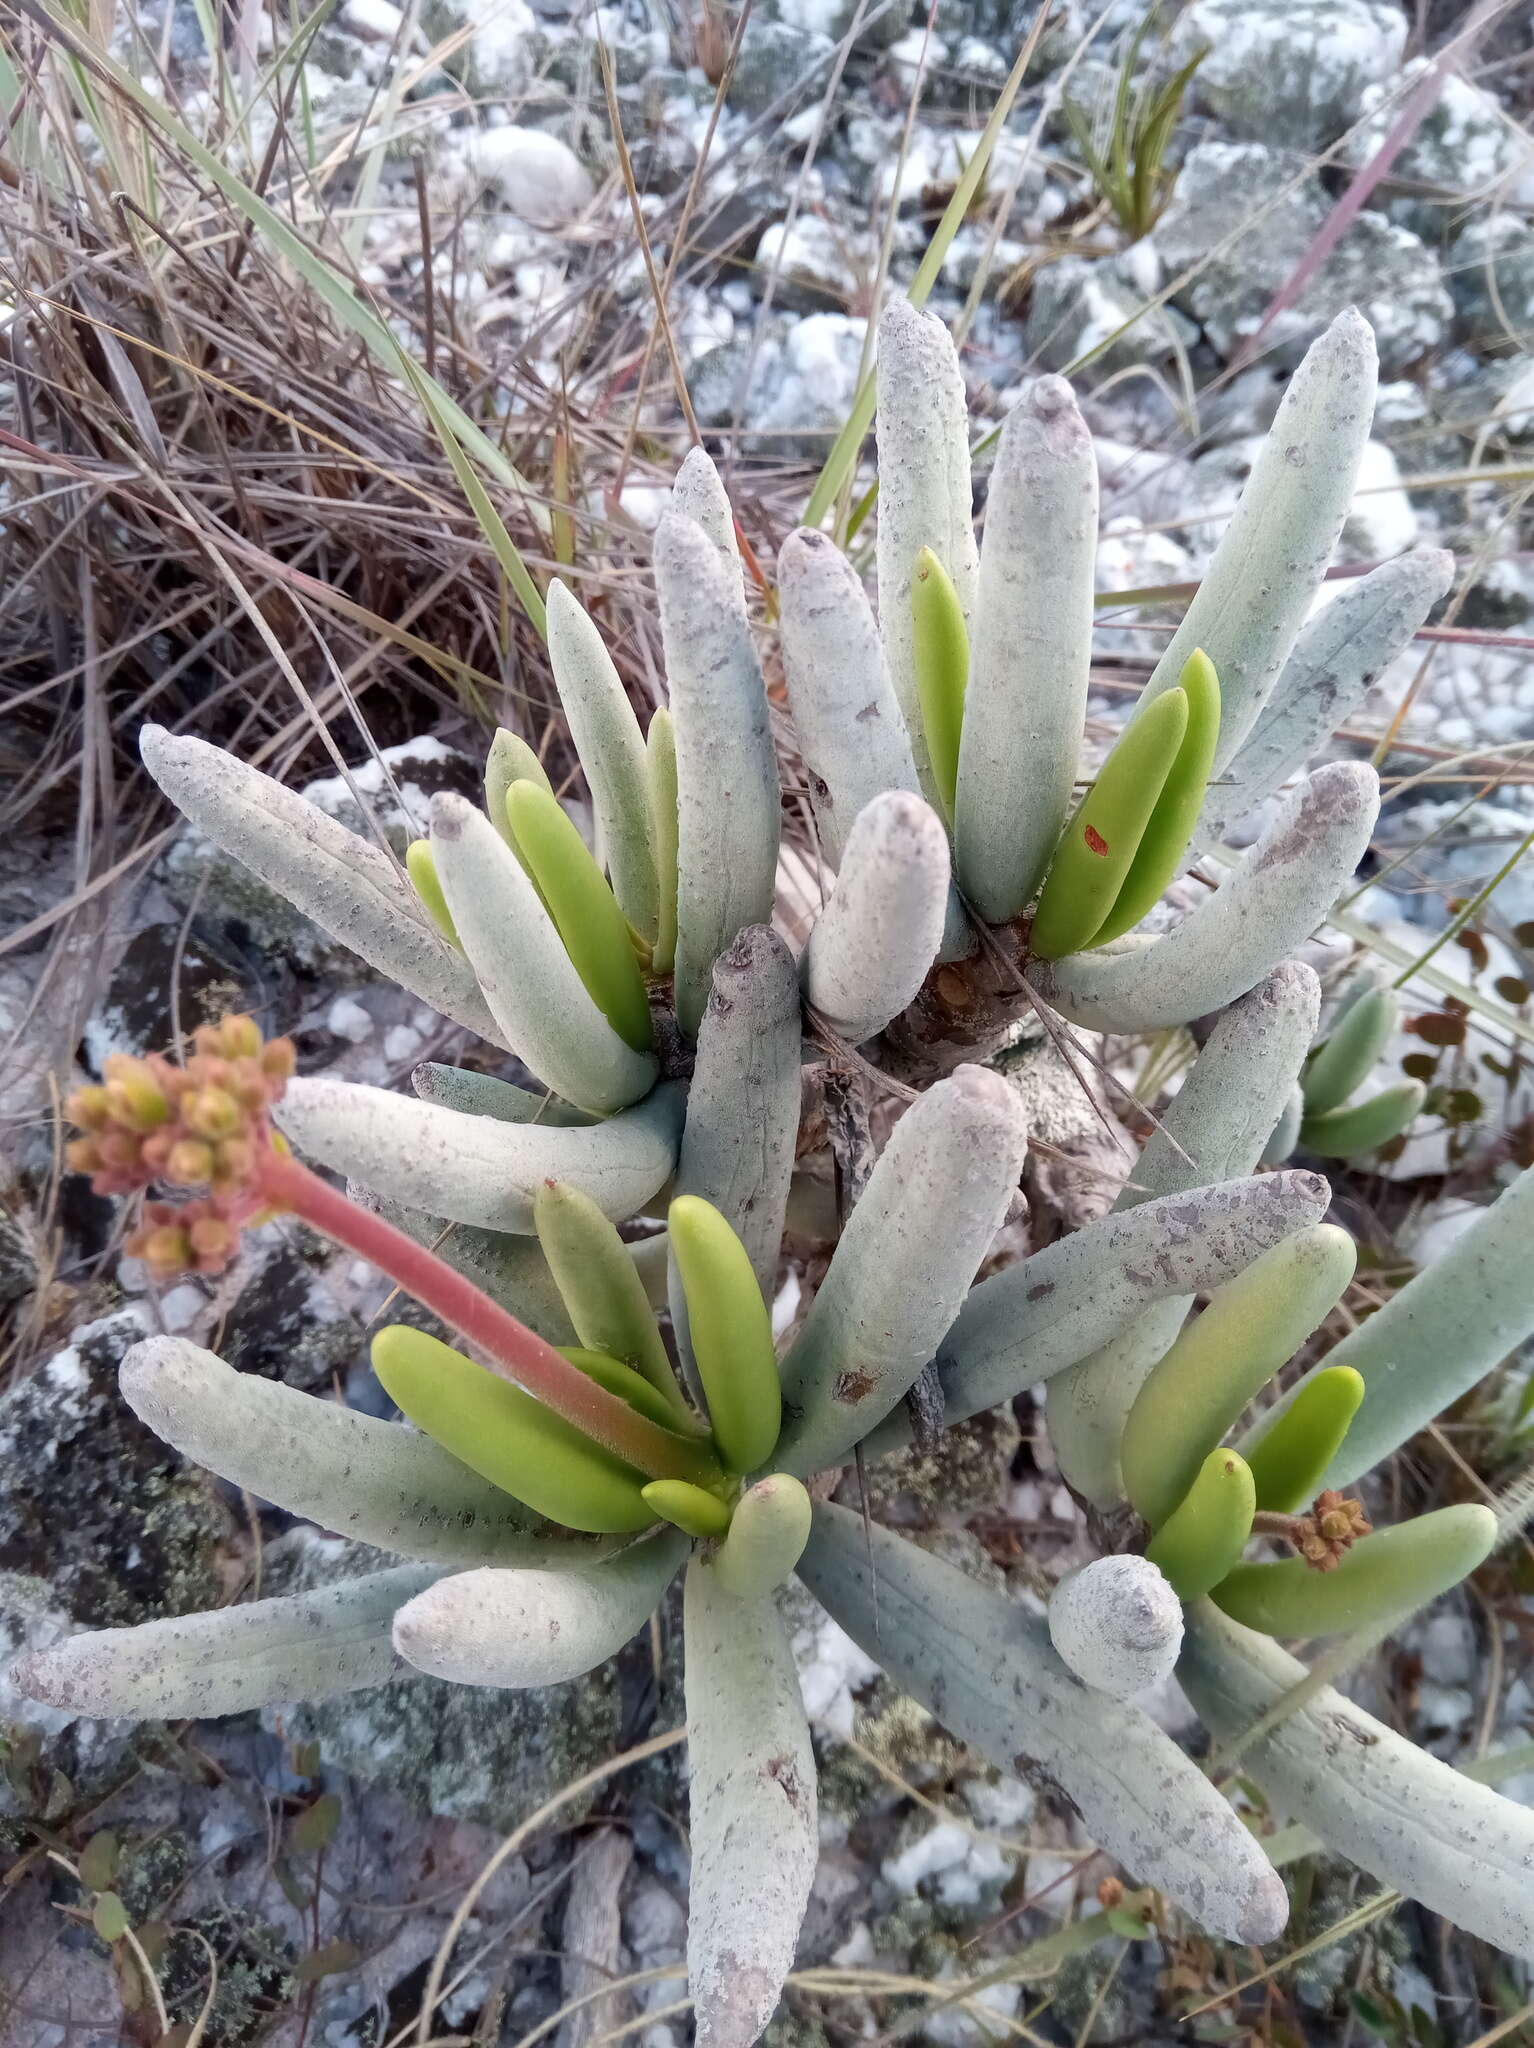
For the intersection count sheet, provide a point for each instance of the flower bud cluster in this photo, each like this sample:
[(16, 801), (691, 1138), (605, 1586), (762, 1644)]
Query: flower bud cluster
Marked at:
[(203, 1125), (1329, 1531)]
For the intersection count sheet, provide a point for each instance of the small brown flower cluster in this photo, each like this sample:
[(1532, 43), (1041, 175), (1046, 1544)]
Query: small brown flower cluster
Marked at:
[(1329, 1531), (202, 1125)]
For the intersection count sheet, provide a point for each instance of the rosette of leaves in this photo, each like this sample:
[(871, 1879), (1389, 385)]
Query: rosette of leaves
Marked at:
[(970, 687)]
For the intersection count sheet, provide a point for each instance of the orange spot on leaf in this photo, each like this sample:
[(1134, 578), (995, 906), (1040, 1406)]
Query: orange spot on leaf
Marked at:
[(1095, 840)]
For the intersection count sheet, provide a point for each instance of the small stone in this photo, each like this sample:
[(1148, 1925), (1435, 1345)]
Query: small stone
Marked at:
[(834, 19), (815, 265), (1491, 275), (803, 380), (774, 58), (1079, 305), (1381, 520), (535, 176), (1291, 72), (373, 21)]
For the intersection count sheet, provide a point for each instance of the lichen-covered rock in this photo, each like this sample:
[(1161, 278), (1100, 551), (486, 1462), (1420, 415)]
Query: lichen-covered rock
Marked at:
[(467, 1752), (134, 1013), (285, 1323), (774, 57), (815, 264), (1459, 151), (965, 1472), (1291, 72), (1491, 274), (1259, 209), (533, 175), (1078, 305), (114, 1521)]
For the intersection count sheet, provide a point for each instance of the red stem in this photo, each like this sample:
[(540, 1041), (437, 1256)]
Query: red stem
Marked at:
[(514, 1351)]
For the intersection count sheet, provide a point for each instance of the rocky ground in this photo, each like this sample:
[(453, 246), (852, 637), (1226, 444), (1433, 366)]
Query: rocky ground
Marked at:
[(320, 1851)]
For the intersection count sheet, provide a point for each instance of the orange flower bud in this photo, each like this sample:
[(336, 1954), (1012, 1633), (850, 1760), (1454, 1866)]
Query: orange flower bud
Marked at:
[(211, 1239), (241, 1038), (191, 1162), (83, 1155), (278, 1060), (89, 1108), (134, 1096), (166, 1251), (156, 1149), (119, 1151), (233, 1159), (213, 1113)]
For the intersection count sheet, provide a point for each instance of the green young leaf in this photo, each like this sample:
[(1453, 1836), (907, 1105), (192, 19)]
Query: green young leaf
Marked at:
[(1382, 1576), (1360, 1127), (600, 1285), (506, 1436), (630, 1386), (509, 760), (422, 870), (660, 756), (109, 1917), (688, 1507), (766, 1538), (1196, 1547), (1164, 842), (940, 647), (315, 1827), (99, 1861), (730, 1332), (1290, 1457), (584, 909), (1346, 1056), (1223, 1357), (1098, 846)]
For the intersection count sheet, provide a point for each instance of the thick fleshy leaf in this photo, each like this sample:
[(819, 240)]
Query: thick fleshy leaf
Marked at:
[(1263, 909), (527, 1628), (698, 493), (1457, 1847), (911, 1248), (1336, 658), (611, 750), (1441, 1332), (300, 1646), (924, 492), (544, 1009), (847, 718), (727, 775), (1030, 652), (377, 1482), (475, 1169), (989, 1672), (880, 932), (753, 1810), (1253, 597), (743, 1101), (485, 1095), (1117, 1624), (1214, 1129), (349, 886), (1048, 1311)]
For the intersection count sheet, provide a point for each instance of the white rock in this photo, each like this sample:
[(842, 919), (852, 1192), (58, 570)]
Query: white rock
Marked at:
[(375, 21), (1381, 521), (538, 177), (347, 1019)]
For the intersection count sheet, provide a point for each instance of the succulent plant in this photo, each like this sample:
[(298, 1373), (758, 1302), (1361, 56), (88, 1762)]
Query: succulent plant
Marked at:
[(569, 1463), (1325, 1116)]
